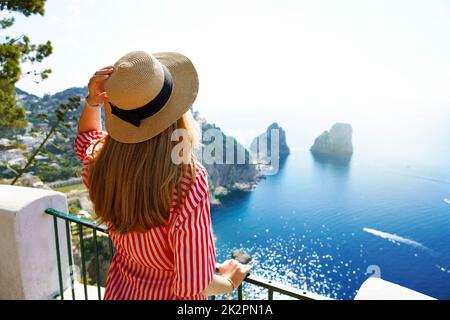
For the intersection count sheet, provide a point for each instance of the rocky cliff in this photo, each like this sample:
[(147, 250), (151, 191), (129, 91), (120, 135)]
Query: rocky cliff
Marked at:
[(336, 142), (224, 176)]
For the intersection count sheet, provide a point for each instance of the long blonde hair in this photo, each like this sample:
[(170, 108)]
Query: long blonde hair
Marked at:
[(132, 185)]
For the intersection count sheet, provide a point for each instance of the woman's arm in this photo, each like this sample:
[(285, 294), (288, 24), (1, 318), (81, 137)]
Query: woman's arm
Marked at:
[(90, 117), (232, 274), (219, 285)]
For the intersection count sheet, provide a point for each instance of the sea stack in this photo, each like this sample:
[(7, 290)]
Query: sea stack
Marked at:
[(334, 143), (266, 137)]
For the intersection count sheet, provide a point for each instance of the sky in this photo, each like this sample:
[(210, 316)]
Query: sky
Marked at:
[(264, 59)]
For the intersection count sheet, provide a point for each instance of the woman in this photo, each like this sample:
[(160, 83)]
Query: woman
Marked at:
[(155, 206)]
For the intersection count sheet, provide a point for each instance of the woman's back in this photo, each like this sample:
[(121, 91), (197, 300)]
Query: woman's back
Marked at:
[(173, 261)]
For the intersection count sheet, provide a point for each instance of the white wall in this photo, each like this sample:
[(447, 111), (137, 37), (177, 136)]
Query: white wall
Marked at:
[(28, 263)]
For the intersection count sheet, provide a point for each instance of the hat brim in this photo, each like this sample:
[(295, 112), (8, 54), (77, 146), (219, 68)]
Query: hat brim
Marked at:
[(184, 93)]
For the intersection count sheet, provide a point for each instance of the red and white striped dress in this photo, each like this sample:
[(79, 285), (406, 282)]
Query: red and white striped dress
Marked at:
[(173, 262)]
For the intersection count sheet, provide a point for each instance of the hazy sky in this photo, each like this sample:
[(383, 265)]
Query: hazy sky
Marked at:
[(263, 57), (261, 52)]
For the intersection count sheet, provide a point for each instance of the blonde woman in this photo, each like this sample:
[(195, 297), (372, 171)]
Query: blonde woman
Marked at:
[(155, 206)]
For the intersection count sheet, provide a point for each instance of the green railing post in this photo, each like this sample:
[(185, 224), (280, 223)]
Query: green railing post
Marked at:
[(240, 295), (58, 258), (69, 252), (83, 261), (98, 266), (270, 294), (111, 247)]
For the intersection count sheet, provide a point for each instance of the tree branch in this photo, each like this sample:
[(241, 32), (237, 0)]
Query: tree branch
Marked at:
[(35, 153)]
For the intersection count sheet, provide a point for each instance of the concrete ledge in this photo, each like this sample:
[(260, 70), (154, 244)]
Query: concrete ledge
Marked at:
[(28, 263)]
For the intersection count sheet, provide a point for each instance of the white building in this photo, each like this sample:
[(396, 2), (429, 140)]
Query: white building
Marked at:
[(12, 156), (5, 142)]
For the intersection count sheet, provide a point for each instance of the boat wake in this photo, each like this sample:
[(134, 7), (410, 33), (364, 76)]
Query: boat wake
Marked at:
[(446, 270), (447, 201), (394, 238)]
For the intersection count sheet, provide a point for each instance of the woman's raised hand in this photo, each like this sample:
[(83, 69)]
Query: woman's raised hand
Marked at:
[(96, 86), (234, 271)]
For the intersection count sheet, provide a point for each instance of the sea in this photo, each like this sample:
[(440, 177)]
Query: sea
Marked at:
[(326, 225)]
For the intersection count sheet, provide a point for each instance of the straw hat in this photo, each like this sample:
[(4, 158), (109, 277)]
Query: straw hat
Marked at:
[(147, 94)]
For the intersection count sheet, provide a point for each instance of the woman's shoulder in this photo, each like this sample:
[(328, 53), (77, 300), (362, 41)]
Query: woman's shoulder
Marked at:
[(85, 141), (200, 170), (194, 190), (200, 173)]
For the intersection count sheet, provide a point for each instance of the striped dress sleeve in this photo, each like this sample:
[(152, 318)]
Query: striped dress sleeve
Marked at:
[(193, 243), (83, 146)]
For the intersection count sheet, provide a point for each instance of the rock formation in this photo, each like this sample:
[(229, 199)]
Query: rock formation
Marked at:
[(224, 176), (335, 143), (266, 138)]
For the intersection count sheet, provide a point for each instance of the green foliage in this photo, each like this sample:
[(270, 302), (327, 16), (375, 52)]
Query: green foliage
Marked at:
[(14, 52), (18, 145), (74, 209), (67, 189), (9, 171), (54, 127), (27, 7), (49, 174), (105, 257), (104, 254), (11, 115)]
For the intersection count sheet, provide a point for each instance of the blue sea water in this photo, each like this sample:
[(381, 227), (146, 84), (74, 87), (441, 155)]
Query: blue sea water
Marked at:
[(320, 224)]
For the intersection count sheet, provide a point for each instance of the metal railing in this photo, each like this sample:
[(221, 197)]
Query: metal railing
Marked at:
[(80, 225)]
